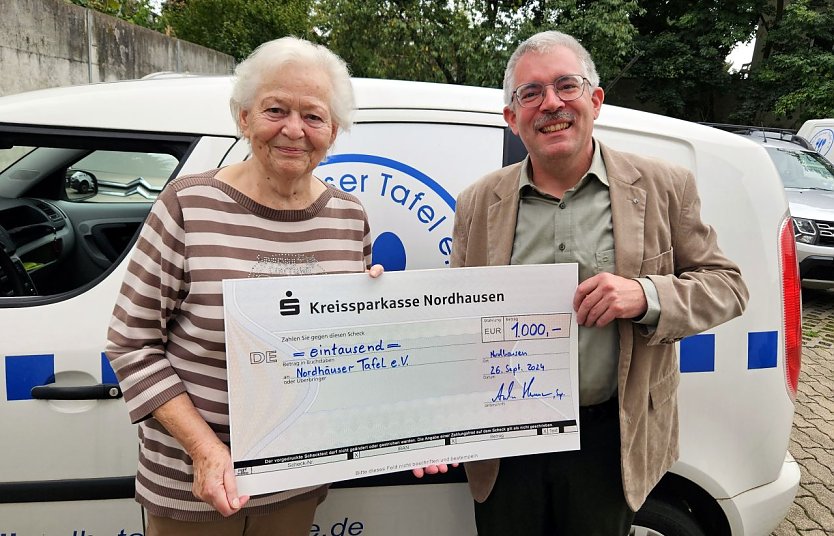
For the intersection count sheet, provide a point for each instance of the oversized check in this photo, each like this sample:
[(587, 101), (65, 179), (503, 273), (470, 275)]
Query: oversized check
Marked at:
[(333, 377)]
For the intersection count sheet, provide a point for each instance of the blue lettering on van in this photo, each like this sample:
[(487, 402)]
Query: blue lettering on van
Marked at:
[(26, 371), (399, 166), (697, 353), (823, 141), (761, 349), (429, 208)]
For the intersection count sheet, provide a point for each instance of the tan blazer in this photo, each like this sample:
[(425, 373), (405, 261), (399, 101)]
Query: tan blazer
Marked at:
[(658, 233)]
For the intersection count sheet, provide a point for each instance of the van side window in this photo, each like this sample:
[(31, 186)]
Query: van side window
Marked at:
[(71, 202), (514, 150)]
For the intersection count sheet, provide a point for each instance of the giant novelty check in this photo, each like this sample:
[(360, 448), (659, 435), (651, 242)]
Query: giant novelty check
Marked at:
[(333, 377)]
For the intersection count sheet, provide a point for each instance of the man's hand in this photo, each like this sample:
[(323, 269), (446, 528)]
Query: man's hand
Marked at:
[(431, 469), (214, 479), (605, 297)]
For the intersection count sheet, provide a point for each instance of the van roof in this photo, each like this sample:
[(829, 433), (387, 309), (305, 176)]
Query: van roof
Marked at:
[(149, 104), (200, 106)]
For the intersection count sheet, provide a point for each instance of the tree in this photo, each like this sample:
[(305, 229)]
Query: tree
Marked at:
[(416, 39), (683, 47), (464, 41), (795, 77), (235, 27), (604, 27)]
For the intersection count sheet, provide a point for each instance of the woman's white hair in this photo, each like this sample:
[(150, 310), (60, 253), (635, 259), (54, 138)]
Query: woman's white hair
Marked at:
[(542, 43), (272, 55)]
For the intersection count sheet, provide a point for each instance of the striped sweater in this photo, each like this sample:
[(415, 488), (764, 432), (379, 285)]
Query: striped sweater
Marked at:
[(166, 335)]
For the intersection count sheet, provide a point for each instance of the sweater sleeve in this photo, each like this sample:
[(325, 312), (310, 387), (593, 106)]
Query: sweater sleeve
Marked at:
[(151, 291)]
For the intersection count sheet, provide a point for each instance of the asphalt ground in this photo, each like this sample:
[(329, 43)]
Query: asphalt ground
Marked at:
[(812, 438)]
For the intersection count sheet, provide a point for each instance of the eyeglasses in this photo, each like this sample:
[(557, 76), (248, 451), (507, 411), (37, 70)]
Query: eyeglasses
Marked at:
[(568, 88)]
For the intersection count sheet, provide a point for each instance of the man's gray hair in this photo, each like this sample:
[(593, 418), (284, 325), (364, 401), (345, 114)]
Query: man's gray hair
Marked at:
[(542, 43), (273, 55)]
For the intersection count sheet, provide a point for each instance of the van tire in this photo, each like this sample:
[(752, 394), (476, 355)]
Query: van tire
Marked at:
[(660, 518)]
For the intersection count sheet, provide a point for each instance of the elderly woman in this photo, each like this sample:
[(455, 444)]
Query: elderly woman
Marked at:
[(266, 216)]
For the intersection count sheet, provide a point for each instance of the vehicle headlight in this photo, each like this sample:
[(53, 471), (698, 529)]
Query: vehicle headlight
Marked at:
[(805, 230)]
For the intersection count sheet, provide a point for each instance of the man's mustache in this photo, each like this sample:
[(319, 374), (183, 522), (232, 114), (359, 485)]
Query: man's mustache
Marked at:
[(543, 120)]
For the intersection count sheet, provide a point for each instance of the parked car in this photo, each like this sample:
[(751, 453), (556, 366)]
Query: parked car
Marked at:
[(809, 185), (69, 453)]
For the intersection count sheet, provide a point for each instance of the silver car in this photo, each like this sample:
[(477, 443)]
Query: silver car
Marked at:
[(809, 186)]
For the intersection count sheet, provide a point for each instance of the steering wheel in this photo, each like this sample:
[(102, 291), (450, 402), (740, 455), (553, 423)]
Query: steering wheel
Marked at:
[(12, 282)]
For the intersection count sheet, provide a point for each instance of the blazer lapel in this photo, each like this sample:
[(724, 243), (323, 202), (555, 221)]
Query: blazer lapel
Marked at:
[(501, 219), (628, 212)]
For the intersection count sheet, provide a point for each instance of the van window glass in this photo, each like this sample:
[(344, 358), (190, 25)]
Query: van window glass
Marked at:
[(120, 176), (71, 203), (10, 155)]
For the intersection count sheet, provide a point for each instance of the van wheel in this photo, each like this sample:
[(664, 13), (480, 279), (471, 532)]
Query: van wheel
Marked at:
[(659, 518)]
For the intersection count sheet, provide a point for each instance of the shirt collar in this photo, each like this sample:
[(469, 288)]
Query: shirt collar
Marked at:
[(597, 170)]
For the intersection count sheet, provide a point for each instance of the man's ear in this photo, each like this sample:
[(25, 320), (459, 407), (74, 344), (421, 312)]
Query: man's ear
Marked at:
[(597, 96), (510, 118)]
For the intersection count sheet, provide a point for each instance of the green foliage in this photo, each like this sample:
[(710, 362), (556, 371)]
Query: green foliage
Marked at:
[(683, 47), (138, 12), (235, 27), (796, 78), (678, 49), (604, 27), (464, 41)]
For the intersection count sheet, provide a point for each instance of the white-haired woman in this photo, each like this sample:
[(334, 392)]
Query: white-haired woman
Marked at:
[(266, 216)]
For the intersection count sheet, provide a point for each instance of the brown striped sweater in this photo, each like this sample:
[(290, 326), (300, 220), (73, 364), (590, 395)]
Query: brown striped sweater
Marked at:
[(166, 335)]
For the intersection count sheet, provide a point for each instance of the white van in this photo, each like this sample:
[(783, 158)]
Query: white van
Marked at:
[(68, 453), (820, 132)]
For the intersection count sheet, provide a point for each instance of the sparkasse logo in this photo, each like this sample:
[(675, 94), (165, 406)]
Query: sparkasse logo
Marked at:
[(289, 306)]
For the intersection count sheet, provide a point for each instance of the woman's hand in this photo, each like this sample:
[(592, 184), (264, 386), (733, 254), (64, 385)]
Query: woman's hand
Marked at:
[(214, 478)]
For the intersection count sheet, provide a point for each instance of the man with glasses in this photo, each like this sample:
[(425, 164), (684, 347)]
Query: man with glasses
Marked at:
[(650, 274)]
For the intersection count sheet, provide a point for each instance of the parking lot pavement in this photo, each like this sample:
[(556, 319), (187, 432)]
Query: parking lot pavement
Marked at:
[(812, 439)]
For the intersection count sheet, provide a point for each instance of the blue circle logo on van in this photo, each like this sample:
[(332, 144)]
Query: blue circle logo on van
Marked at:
[(410, 214), (823, 141)]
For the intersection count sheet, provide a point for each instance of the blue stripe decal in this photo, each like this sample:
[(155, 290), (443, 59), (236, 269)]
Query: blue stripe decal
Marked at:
[(761, 349), (698, 353), (107, 374), (26, 371)]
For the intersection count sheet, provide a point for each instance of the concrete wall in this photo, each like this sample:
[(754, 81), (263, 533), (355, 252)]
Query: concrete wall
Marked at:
[(48, 43)]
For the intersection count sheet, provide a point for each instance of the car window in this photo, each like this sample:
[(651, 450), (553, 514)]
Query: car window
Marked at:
[(10, 155), (802, 169), (120, 176)]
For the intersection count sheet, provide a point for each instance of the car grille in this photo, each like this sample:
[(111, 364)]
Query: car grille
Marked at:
[(826, 229)]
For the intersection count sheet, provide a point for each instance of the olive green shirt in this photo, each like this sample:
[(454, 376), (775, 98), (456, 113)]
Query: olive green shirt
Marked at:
[(578, 228)]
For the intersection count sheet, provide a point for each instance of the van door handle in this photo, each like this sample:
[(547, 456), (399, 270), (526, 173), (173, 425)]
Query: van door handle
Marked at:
[(83, 392)]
